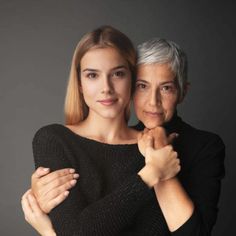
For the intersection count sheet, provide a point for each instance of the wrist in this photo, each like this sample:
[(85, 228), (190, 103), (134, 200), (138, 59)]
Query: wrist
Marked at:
[(149, 175)]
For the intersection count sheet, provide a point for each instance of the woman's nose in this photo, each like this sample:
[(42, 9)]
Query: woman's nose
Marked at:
[(155, 98), (107, 86)]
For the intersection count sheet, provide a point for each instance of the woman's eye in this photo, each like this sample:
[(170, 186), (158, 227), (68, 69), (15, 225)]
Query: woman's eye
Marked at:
[(167, 88), (91, 75), (119, 74), (141, 86)]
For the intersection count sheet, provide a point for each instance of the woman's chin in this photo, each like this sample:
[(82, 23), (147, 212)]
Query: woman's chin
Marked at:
[(152, 125)]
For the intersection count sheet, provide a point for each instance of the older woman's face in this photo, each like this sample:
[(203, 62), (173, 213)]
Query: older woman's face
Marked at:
[(156, 94)]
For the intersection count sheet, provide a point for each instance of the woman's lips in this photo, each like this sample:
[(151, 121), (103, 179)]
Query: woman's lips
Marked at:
[(107, 102), (153, 114)]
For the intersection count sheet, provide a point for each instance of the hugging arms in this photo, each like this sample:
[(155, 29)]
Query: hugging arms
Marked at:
[(119, 191)]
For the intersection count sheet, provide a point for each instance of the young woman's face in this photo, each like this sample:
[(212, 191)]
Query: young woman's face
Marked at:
[(105, 82), (156, 94)]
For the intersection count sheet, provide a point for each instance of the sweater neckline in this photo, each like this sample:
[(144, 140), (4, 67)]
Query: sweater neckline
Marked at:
[(94, 141)]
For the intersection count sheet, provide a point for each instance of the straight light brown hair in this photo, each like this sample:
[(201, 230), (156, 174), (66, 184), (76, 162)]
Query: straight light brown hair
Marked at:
[(106, 36)]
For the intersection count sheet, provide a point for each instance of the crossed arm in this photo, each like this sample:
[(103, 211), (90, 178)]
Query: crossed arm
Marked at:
[(177, 206), (133, 194)]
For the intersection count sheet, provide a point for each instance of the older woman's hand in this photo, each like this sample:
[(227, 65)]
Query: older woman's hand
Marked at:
[(161, 164), (50, 189), (35, 216), (159, 136)]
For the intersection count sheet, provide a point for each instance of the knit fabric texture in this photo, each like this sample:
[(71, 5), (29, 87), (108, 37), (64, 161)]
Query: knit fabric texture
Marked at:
[(111, 199)]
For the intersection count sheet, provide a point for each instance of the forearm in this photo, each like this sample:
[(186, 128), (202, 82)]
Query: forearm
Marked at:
[(176, 205), (107, 216), (50, 233)]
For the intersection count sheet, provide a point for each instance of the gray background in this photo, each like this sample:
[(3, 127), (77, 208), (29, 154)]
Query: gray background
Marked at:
[(37, 39)]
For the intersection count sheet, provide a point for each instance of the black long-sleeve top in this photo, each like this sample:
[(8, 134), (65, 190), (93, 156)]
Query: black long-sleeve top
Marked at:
[(111, 199)]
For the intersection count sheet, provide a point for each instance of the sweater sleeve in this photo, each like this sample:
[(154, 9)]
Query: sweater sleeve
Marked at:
[(75, 216), (203, 185)]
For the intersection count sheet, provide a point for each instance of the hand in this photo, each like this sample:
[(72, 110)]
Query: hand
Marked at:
[(160, 138), (35, 216), (50, 189), (161, 164)]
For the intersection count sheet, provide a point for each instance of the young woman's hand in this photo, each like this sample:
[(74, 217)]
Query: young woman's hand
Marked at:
[(35, 216), (161, 164), (50, 189)]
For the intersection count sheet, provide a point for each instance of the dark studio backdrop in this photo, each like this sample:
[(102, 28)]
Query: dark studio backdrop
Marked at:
[(37, 39)]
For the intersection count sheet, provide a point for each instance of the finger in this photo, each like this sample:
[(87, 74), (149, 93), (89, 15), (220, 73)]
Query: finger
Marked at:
[(149, 142), (175, 154), (172, 137), (25, 205), (146, 130), (34, 204), (54, 190), (56, 201), (40, 171), (55, 174), (68, 179)]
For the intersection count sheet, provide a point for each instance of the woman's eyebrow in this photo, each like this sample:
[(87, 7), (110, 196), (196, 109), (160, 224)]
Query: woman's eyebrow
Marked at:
[(120, 67), (141, 80), (90, 70), (167, 82), (114, 68)]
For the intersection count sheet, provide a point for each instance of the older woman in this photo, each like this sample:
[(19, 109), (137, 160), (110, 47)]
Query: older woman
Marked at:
[(188, 202), (161, 85)]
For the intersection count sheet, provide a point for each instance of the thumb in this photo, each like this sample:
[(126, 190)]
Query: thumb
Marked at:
[(40, 171), (150, 142), (172, 137)]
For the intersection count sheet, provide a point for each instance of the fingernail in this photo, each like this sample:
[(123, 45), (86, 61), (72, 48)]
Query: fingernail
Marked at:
[(176, 135), (76, 176), (45, 169), (72, 171), (66, 193), (73, 181)]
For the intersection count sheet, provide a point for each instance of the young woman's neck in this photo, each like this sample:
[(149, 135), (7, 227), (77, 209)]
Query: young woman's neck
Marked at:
[(107, 130)]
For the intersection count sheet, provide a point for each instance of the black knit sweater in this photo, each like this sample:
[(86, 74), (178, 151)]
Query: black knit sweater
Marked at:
[(111, 199)]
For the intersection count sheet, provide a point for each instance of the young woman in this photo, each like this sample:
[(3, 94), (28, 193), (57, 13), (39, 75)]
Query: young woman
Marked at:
[(188, 203), (114, 195)]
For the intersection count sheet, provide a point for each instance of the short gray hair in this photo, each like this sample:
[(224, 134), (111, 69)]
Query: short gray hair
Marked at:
[(163, 51)]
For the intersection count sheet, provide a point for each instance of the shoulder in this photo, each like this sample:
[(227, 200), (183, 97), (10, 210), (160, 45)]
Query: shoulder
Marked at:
[(49, 133), (200, 137), (202, 147)]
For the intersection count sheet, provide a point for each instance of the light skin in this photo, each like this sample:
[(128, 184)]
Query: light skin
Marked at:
[(106, 90), (156, 95), (105, 84), (155, 100)]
